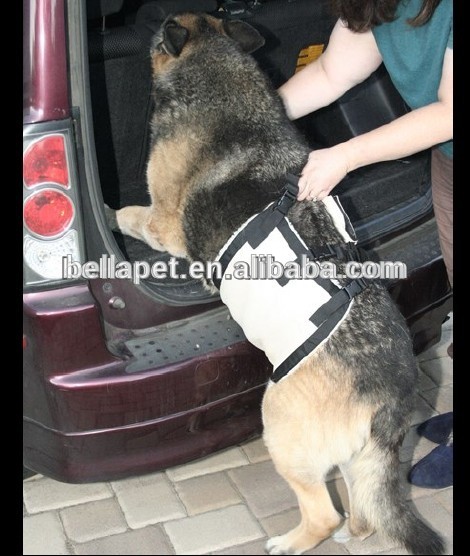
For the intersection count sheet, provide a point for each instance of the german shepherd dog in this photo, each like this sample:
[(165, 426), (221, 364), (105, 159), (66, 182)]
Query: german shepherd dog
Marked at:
[(221, 148)]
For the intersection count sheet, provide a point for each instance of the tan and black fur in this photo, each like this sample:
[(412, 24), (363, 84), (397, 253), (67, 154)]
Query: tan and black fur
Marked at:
[(221, 147)]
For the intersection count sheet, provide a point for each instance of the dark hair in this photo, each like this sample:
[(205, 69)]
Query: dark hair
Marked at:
[(361, 15)]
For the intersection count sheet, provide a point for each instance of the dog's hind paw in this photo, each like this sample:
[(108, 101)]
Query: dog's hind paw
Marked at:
[(278, 545), (342, 534)]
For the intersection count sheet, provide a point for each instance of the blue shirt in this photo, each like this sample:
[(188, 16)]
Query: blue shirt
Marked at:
[(414, 56)]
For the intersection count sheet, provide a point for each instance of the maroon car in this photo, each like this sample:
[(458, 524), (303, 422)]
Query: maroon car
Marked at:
[(123, 378)]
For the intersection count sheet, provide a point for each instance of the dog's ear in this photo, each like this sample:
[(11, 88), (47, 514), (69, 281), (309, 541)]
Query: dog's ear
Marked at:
[(174, 37), (246, 35)]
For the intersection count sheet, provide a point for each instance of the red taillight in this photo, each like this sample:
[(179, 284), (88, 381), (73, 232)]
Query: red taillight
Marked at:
[(48, 212), (45, 161), (51, 203)]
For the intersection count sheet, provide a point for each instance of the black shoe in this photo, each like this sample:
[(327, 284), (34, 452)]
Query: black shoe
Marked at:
[(436, 470), (438, 428)]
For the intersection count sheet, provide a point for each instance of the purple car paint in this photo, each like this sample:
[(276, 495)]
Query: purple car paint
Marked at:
[(45, 95)]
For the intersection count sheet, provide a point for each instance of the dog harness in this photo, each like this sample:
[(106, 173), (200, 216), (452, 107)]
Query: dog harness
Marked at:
[(288, 318)]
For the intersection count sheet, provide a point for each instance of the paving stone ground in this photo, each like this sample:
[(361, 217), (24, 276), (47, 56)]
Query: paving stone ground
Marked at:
[(228, 503)]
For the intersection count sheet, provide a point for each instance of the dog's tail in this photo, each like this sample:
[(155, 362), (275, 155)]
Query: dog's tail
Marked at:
[(377, 503)]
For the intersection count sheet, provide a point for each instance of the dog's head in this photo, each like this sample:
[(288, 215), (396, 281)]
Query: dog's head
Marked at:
[(181, 34)]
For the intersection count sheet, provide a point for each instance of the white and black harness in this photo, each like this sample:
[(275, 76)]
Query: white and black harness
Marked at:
[(286, 318)]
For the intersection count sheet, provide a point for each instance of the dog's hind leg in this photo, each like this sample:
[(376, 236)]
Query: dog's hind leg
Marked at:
[(318, 519), (356, 525)]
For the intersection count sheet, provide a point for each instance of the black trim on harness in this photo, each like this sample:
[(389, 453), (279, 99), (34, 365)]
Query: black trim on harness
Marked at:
[(342, 297), (296, 245), (256, 231), (309, 345), (325, 318), (345, 252)]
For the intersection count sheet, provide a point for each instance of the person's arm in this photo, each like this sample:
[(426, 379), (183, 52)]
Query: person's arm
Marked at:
[(415, 131), (348, 60)]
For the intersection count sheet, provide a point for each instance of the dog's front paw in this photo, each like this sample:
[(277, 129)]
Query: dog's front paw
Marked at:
[(111, 219), (280, 545)]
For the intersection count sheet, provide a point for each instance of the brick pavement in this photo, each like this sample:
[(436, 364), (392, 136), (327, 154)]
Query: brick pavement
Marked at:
[(227, 503)]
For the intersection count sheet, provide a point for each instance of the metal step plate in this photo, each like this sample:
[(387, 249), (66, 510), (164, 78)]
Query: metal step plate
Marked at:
[(180, 340)]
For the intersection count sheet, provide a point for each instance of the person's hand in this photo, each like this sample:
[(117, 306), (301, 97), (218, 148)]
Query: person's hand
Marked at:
[(324, 170)]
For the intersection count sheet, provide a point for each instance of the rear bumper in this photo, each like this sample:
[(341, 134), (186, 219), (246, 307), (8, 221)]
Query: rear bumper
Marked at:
[(110, 454), (87, 419)]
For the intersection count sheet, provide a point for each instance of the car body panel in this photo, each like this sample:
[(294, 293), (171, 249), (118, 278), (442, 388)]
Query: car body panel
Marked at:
[(45, 91)]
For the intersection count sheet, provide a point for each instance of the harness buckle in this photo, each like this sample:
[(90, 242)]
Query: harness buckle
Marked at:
[(289, 195), (355, 286)]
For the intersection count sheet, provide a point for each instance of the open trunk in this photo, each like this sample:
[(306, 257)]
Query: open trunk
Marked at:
[(384, 200), (381, 199)]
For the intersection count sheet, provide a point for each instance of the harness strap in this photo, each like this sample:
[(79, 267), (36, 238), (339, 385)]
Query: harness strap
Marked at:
[(259, 228), (254, 233), (297, 247), (289, 196), (325, 318), (346, 252), (309, 345), (342, 297)]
